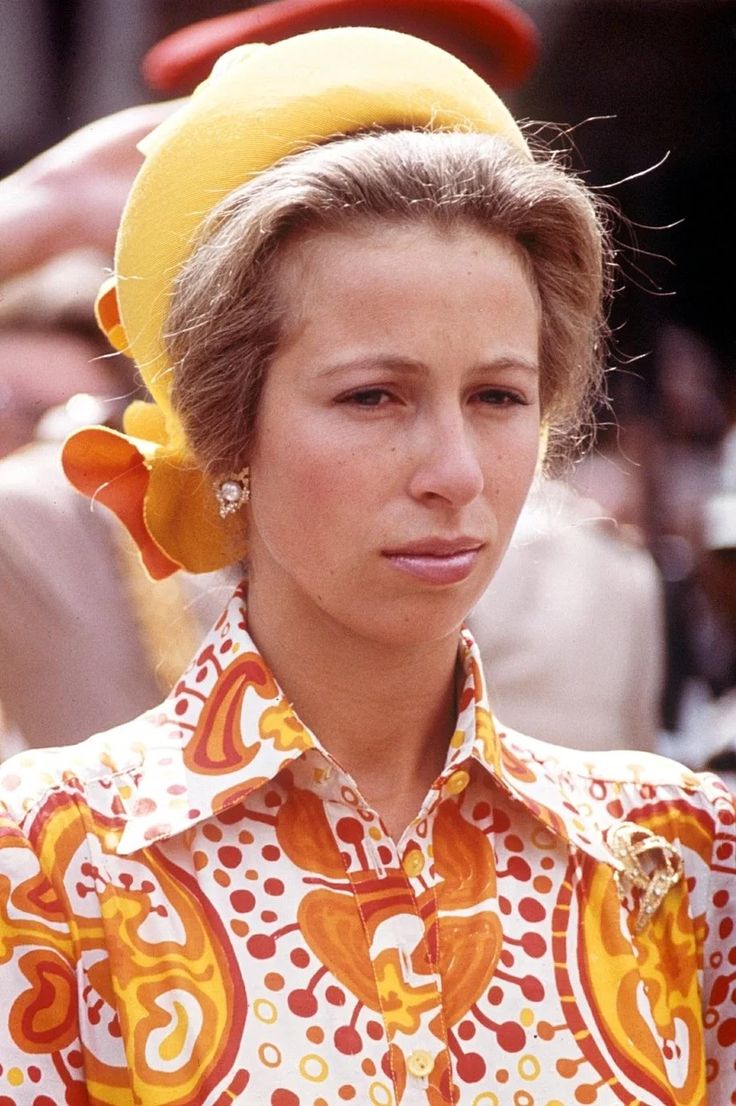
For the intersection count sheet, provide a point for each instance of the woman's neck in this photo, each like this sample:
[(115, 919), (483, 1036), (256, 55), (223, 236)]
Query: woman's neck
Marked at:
[(385, 712)]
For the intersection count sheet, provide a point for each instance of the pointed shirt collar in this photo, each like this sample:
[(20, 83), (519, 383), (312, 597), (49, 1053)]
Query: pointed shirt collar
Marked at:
[(227, 729)]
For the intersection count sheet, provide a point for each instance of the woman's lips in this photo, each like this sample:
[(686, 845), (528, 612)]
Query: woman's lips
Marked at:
[(437, 568)]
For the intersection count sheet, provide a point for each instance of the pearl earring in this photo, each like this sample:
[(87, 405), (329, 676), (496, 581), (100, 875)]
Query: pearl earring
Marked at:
[(233, 492)]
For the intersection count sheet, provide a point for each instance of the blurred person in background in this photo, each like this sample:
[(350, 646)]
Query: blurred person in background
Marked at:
[(662, 74), (70, 196), (717, 575), (652, 475), (571, 628), (77, 614), (49, 350)]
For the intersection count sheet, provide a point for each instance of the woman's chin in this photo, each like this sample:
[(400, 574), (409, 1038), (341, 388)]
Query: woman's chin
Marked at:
[(411, 623)]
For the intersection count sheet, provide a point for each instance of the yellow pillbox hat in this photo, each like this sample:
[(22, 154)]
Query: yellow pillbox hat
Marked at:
[(259, 104)]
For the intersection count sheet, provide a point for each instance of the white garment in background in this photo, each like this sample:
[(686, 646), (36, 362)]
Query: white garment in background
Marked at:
[(571, 628)]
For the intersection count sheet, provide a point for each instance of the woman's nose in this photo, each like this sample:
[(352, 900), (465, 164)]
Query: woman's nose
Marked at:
[(448, 466)]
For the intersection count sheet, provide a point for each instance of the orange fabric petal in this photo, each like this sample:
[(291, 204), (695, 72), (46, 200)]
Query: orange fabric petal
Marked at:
[(107, 311), (182, 515), (110, 469)]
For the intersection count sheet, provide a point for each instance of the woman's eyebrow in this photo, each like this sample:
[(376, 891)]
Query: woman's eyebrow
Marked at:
[(511, 362), (395, 363)]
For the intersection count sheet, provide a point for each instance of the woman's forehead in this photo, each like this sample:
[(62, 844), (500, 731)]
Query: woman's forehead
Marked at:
[(375, 252), (408, 295)]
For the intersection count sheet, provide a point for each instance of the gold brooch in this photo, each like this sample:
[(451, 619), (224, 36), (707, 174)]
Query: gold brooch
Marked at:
[(651, 864)]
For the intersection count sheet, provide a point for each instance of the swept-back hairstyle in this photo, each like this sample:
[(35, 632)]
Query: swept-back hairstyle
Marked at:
[(227, 316)]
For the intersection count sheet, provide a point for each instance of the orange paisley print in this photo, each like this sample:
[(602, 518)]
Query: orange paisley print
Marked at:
[(649, 993), (216, 745), (170, 995), (200, 908)]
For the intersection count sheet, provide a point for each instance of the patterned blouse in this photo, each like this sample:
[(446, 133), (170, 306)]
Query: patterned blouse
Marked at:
[(200, 908)]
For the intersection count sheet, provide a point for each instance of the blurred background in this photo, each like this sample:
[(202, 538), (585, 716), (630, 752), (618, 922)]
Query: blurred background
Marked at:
[(645, 91)]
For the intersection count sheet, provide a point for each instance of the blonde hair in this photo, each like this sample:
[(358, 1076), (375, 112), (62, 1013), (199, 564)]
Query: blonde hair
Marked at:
[(227, 315)]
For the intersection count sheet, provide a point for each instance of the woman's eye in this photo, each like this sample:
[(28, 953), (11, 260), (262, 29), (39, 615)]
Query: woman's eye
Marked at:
[(367, 397), (501, 397)]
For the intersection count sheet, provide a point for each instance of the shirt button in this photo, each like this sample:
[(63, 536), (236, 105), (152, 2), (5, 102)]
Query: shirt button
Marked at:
[(420, 1062), (413, 862), (458, 781)]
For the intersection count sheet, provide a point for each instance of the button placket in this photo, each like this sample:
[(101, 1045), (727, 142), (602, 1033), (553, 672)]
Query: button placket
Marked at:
[(423, 1049), (398, 945), (372, 848)]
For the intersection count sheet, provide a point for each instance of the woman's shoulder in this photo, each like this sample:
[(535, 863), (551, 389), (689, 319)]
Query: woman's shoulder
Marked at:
[(35, 778), (618, 778), (623, 805)]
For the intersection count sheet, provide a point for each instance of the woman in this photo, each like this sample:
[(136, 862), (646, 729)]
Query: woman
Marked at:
[(320, 872)]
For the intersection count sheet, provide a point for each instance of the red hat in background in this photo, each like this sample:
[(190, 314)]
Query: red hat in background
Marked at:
[(491, 36)]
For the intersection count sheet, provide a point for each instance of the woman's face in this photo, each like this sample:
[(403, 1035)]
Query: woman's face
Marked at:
[(398, 429)]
